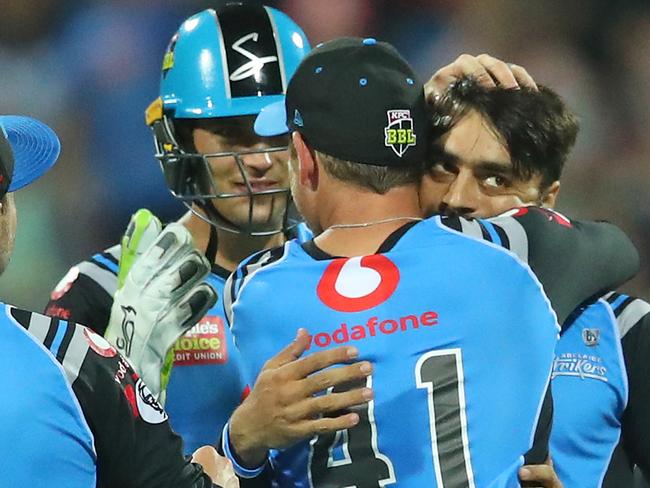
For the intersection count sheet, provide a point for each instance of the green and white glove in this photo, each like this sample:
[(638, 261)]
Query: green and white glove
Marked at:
[(142, 231), (164, 294), (144, 227)]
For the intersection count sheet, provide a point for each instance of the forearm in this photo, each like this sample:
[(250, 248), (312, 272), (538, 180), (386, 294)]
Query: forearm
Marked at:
[(246, 443)]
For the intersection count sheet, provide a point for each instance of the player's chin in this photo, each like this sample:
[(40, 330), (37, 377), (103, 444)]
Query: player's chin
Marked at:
[(263, 219)]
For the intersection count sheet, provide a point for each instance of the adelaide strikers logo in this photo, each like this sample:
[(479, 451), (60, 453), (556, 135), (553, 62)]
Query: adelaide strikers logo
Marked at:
[(359, 283), (399, 131)]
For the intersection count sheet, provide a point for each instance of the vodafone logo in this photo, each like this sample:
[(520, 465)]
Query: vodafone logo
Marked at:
[(357, 284)]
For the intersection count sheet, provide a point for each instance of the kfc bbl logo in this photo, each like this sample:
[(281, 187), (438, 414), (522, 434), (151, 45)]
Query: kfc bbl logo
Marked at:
[(399, 131)]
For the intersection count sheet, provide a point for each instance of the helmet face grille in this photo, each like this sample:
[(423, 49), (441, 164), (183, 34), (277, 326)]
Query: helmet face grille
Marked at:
[(253, 61)]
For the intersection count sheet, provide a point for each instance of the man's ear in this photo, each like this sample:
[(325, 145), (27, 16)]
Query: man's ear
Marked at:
[(307, 166), (550, 195)]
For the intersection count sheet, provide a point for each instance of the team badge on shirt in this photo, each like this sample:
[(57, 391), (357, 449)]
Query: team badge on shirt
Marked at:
[(148, 407), (591, 337)]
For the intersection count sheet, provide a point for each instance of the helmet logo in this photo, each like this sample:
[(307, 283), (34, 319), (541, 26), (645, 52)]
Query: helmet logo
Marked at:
[(255, 65)]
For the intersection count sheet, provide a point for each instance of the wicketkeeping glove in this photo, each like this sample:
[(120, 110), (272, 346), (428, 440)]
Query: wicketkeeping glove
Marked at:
[(164, 295), (144, 227), (142, 230)]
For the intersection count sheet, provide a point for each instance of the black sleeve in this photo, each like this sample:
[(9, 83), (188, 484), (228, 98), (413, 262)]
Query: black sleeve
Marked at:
[(573, 260), (135, 445), (620, 471), (83, 301), (636, 419), (539, 452)]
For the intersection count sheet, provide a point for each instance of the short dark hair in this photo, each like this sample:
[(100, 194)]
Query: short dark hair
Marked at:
[(378, 179), (536, 127)]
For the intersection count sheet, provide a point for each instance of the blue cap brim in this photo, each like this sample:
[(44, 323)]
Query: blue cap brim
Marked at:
[(272, 120), (35, 147)]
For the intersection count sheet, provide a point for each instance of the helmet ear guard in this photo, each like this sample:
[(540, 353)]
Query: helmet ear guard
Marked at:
[(186, 174)]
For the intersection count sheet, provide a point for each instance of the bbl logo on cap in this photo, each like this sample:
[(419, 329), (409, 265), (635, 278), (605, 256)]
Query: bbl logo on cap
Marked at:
[(399, 131)]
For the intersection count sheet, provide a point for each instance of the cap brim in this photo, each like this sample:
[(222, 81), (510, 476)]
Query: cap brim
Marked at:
[(35, 147), (272, 120)]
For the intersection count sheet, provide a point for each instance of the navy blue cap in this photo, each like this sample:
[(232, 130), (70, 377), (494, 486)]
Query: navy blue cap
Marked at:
[(28, 148), (357, 100)]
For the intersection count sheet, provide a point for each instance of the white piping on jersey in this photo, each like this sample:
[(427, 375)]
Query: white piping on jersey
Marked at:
[(619, 347), (516, 257), (39, 326), (516, 233), (75, 354), (228, 303), (607, 295), (621, 360), (631, 315), (59, 366), (106, 279), (531, 441), (472, 228), (115, 251)]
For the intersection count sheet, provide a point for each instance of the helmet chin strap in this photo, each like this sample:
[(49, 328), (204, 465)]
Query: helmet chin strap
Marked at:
[(211, 250), (213, 215)]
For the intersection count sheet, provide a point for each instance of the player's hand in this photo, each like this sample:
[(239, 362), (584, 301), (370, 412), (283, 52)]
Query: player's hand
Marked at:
[(283, 407), (489, 71), (540, 475), (217, 467), (164, 295)]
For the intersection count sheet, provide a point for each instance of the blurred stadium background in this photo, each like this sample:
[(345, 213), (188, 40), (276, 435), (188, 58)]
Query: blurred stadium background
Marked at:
[(90, 67)]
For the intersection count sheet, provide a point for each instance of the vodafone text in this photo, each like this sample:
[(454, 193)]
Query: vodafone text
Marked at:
[(373, 326)]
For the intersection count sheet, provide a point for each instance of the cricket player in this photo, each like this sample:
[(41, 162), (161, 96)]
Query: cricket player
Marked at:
[(443, 310)]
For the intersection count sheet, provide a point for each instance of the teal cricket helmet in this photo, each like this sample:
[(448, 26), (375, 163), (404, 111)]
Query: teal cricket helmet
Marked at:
[(229, 61)]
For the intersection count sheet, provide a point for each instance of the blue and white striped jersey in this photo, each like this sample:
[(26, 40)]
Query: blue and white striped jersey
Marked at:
[(74, 413)]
